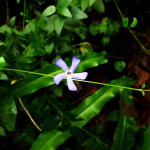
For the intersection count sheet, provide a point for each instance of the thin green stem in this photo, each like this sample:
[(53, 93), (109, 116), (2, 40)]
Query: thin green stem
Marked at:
[(110, 85), (131, 30), (24, 11), (42, 74)]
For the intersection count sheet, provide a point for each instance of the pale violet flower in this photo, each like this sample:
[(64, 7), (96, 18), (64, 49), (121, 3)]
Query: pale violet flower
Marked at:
[(69, 73)]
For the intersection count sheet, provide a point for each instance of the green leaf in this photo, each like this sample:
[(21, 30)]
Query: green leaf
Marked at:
[(84, 4), (27, 29), (50, 24), (12, 21), (99, 129), (134, 23), (32, 26), (17, 32), (18, 1), (44, 64), (143, 93), (19, 137), (77, 13), (113, 116), (114, 27), (75, 3), (127, 96), (125, 22), (24, 59), (125, 129), (119, 65), (75, 132), (86, 48), (73, 23), (49, 48), (32, 83), (143, 86), (94, 28), (91, 2), (2, 131), (64, 11), (7, 103), (2, 62), (90, 107), (58, 24), (58, 90), (99, 6), (9, 121), (62, 3), (105, 40), (49, 11), (145, 144), (3, 77)]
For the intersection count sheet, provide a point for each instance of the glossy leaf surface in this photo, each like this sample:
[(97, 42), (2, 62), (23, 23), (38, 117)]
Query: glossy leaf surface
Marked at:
[(88, 109), (32, 83)]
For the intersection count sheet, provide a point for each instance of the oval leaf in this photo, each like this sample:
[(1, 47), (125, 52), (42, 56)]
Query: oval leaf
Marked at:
[(99, 6), (2, 62), (119, 65), (65, 3), (77, 13), (12, 21), (134, 23), (125, 22), (49, 11), (64, 11), (58, 24)]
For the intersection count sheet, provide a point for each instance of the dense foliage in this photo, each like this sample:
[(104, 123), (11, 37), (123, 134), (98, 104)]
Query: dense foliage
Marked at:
[(39, 115)]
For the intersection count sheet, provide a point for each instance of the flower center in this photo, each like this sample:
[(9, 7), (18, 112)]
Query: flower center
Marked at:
[(68, 73)]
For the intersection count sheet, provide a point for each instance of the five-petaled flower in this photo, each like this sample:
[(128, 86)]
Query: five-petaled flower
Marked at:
[(69, 73)]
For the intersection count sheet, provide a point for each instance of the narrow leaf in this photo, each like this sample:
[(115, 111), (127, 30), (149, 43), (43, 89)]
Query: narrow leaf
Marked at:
[(87, 110), (32, 83), (145, 145), (125, 129)]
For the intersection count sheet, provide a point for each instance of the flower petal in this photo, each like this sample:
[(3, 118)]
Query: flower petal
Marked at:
[(75, 63), (60, 63), (80, 76), (59, 77), (71, 85)]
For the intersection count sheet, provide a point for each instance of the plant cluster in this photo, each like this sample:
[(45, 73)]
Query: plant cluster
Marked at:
[(34, 105)]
